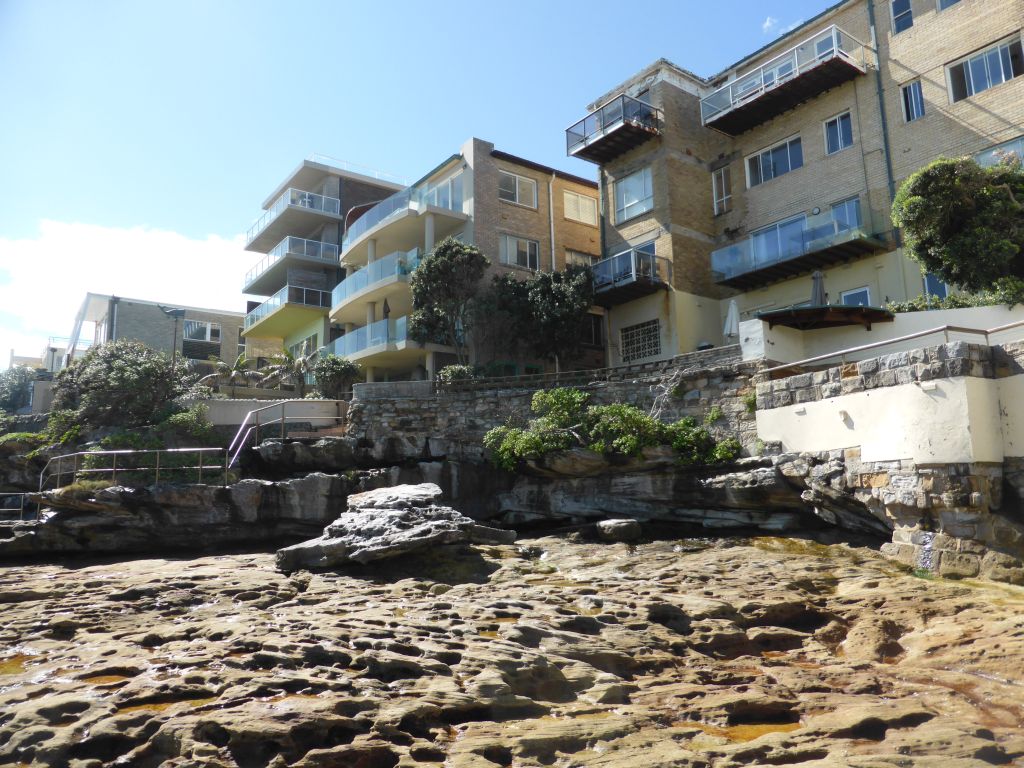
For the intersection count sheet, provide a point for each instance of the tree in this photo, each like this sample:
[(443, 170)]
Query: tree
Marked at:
[(335, 375), (963, 222), (501, 319), (16, 388), (232, 374), (559, 303), (443, 288), (287, 368), (121, 383)]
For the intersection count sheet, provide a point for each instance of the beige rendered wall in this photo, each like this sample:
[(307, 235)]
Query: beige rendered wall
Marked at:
[(321, 413)]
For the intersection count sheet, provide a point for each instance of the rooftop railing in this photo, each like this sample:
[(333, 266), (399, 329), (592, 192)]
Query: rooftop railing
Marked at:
[(290, 294), (602, 120), (345, 165), (447, 194), (394, 264), (389, 331), (293, 198), (314, 250), (629, 267), (828, 44)]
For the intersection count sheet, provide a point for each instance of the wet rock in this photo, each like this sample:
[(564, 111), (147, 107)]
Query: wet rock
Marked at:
[(619, 530)]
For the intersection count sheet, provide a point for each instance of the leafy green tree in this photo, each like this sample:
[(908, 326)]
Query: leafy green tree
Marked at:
[(335, 375), (16, 388), (121, 383), (233, 374), (559, 303), (289, 369), (502, 319), (963, 222), (443, 289)]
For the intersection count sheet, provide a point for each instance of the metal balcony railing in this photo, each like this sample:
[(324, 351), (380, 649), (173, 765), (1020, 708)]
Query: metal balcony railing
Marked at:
[(830, 43), (293, 198), (390, 331), (634, 265), (314, 250), (602, 121), (290, 294), (394, 264), (446, 194)]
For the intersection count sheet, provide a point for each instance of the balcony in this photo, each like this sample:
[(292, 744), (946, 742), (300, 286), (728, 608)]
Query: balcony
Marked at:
[(630, 275), (812, 67), (293, 210), (795, 247), (374, 283), (375, 336), (617, 127), (272, 269), (286, 310)]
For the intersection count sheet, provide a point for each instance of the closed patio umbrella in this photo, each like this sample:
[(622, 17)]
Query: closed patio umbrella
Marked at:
[(732, 321), (818, 289)]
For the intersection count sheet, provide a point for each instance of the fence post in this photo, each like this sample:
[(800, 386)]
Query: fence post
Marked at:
[(157, 481), (74, 476), (282, 422), (113, 470), (227, 458), (200, 467)]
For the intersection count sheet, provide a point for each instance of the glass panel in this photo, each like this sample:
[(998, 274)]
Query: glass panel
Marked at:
[(902, 16), (934, 286), (507, 187), (832, 137), (958, 82), (527, 192), (796, 154), (979, 75), (846, 130), (1016, 52), (995, 68), (754, 171), (765, 246), (780, 160), (856, 298)]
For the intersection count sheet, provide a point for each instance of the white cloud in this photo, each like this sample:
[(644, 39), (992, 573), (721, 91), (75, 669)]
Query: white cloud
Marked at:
[(44, 279), (769, 24)]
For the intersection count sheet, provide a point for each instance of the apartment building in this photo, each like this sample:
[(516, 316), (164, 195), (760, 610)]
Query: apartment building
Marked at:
[(299, 233), (522, 215), (740, 186)]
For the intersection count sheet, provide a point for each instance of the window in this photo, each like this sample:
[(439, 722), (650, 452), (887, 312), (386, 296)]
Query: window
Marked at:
[(640, 341), (305, 347), (1001, 152), (591, 334), (782, 240), (517, 189), (633, 195), (580, 259), (913, 101), (846, 214), (721, 188), (241, 342), (933, 286), (580, 208), (766, 165), (446, 193), (902, 16), (944, 4), (984, 70), (519, 252), (858, 297), (200, 330), (838, 133)]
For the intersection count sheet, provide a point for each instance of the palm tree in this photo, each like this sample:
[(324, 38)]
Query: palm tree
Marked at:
[(288, 368), (231, 374)]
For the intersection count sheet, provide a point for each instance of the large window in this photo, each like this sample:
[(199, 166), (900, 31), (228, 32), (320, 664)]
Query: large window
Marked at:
[(934, 286), (513, 188), (580, 259), (775, 161), (519, 252), (1001, 152), (913, 101), (858, 297), (640, 341), (446, 193), (633, 195), (721, 188), (902, 16), (782, 240), (580, 208), (984, 70), (838, 133), (201, 330), (846, 214)]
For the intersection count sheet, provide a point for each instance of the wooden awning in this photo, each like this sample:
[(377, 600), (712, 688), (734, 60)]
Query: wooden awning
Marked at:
[(807, 318)]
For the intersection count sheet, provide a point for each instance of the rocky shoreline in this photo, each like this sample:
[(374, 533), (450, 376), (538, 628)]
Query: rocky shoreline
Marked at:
[(553, 651)]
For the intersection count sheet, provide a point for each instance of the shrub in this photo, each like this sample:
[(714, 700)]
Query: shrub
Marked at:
[(29, 438), (750, 400), (563, 406), (335, 375), (16, 387), (1006, 290), (451, 374), (622, 429), (692, 442), (192, 423)]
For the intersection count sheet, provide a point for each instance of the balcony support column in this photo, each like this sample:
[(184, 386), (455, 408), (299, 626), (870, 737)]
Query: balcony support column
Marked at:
[(370, 371), (371, 312), (431, 365), (428, 239), (349, 327), (371, 250)]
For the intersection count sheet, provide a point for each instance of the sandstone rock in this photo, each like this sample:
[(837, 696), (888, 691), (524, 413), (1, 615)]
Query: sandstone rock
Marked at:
[(386, 523), (619, 530)]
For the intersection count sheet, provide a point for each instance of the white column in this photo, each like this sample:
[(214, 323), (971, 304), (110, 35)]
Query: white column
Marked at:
[(428, 240), (431, 365), (369, 374), (371, 250), (349, 327), (371, 312)]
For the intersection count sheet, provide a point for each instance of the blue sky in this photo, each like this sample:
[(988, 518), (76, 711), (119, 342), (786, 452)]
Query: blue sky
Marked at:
[(153, 119)]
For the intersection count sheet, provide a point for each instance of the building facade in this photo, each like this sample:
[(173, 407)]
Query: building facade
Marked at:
[(747, 182)]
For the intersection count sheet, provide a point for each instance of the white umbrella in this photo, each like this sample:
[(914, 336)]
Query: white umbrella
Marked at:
[(732, 320)]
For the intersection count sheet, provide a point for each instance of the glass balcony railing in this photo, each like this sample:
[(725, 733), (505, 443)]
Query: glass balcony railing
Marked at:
[(600, 122), (313, 250), (397, 263), (290, 294), (293, 198), (390, 331), (788, 241), (636, 264), (446, 194), (828, 44)]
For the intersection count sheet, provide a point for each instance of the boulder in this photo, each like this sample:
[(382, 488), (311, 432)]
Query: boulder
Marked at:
[(619, 530), (385, 523)]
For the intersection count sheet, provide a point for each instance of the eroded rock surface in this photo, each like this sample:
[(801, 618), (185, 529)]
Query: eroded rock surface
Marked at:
[(545, 653), (388, 522)]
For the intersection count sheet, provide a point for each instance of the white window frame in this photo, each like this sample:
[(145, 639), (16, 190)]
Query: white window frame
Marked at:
[(768, 150), (722, 204), (908, 12), (643, 348), (839, 132), (579, 202), (522, 182), (509, 244), (980, 54), (209, 328), (853, 291), (918, 99), (645, 203)]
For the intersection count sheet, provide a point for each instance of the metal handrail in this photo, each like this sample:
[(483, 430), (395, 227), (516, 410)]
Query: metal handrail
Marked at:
[(245, 429), (20, 509), (944, 329), (158, 452)]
